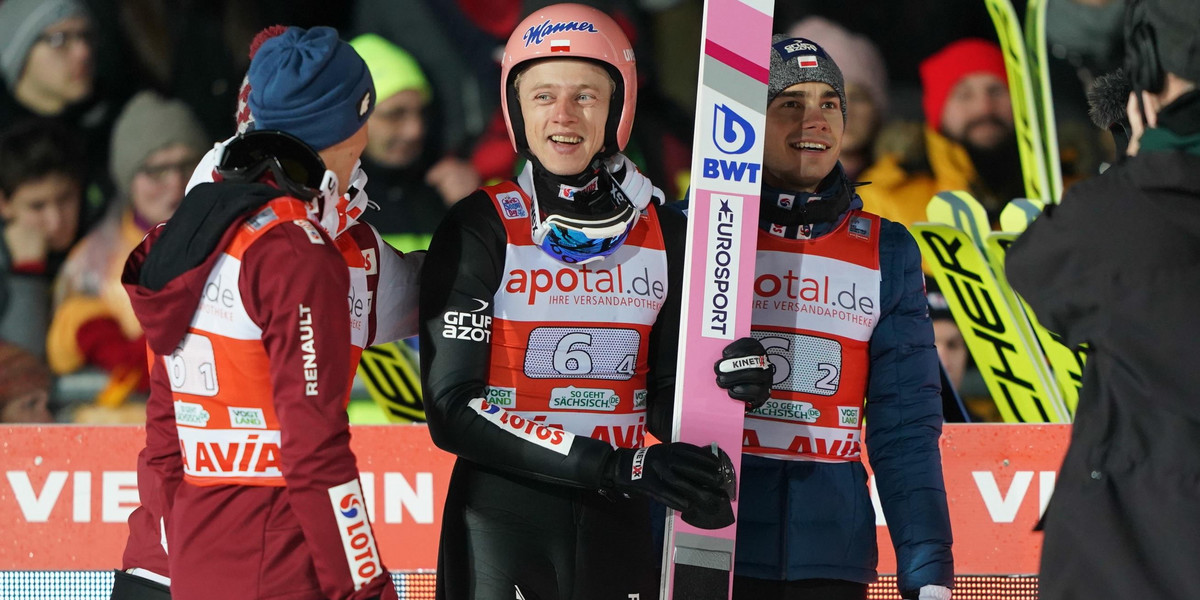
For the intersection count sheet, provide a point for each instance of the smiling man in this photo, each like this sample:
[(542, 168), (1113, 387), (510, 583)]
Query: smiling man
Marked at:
[(970, 142), (806, 526), (549, 326)]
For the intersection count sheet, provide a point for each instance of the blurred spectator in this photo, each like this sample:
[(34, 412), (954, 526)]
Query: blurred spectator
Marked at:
[(47, 58), (866, 87), (969, 141), (411, 193), (460, 54), (47, 55), (24, 387), (956, 358), (951, 348), (41, 191), (155, 145)]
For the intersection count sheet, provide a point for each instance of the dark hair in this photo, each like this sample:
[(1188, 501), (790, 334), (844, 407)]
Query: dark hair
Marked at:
[(36, 148)]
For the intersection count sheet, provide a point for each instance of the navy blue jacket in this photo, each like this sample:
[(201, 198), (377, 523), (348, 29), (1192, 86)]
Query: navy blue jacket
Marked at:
[(809, 520)]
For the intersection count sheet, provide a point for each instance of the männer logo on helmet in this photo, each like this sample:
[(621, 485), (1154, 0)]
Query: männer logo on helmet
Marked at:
[(537, 33)]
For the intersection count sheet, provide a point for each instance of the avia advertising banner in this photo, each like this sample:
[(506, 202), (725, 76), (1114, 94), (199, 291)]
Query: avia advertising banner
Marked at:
[(68, 490)]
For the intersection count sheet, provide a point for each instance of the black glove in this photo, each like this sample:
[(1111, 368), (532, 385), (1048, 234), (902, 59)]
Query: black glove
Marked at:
[(683, 476), (745, 372)]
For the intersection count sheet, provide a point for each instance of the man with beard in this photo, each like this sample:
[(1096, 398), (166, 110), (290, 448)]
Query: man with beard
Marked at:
[(970, 142)]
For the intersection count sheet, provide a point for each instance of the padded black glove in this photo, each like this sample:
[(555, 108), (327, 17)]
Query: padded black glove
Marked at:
[(683, 476), (745, 372)]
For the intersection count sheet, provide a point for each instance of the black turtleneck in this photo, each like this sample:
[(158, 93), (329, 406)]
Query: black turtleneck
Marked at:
[(590, 193)]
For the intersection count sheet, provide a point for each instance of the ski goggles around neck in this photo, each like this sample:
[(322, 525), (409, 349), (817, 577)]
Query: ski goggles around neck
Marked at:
[(575, 240)]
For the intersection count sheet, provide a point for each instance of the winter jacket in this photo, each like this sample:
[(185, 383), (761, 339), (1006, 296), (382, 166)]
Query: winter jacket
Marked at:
[(230, 537), (1117, 265), (813, 520)]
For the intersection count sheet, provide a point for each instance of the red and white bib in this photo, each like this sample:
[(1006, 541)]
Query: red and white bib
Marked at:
[(220, 374), (570, 342), (816, 304)]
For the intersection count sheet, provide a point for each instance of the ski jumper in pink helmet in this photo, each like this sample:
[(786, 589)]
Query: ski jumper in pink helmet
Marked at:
[(571, 31), (542, 373)]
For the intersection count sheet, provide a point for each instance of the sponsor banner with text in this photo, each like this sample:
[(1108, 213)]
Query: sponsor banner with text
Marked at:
[(68, 490)]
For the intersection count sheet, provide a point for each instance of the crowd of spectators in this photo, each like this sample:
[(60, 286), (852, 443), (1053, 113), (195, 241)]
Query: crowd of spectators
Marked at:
[(107, 106)]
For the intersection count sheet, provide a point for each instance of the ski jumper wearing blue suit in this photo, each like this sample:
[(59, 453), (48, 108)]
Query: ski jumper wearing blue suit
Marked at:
[(802, 518)]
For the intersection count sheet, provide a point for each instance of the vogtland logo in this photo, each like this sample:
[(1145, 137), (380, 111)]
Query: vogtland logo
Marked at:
[(247, 418), (609, 286), (732, 134), (537, 33)]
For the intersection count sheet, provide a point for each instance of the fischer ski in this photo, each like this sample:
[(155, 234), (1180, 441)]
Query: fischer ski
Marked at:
[(993, 322), (1043, 98), (719, 269), (1026, 118), (392, 375)]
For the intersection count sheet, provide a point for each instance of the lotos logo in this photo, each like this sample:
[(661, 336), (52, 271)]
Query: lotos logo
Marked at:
[(731, 133), (358, 541), (536, 34), (551, 438), (349, 506)]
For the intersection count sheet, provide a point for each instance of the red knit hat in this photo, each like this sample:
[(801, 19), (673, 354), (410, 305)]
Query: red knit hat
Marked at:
[(942, 71)]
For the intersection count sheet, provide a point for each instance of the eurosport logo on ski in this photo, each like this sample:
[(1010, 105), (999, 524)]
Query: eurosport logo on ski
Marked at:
[(721, 262), (732, 135)]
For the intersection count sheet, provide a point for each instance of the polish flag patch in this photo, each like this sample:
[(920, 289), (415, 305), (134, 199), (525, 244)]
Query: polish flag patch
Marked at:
[(563, 46), (807, 61)]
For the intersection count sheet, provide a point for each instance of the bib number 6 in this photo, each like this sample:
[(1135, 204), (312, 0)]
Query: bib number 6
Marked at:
[(588, 353), (803, 363)]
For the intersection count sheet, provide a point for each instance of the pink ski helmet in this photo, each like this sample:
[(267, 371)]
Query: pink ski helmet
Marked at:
[(571, 31)]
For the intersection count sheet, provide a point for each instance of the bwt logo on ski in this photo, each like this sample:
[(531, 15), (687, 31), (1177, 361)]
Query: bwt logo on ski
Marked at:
[(537, 33), (732, 134)]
